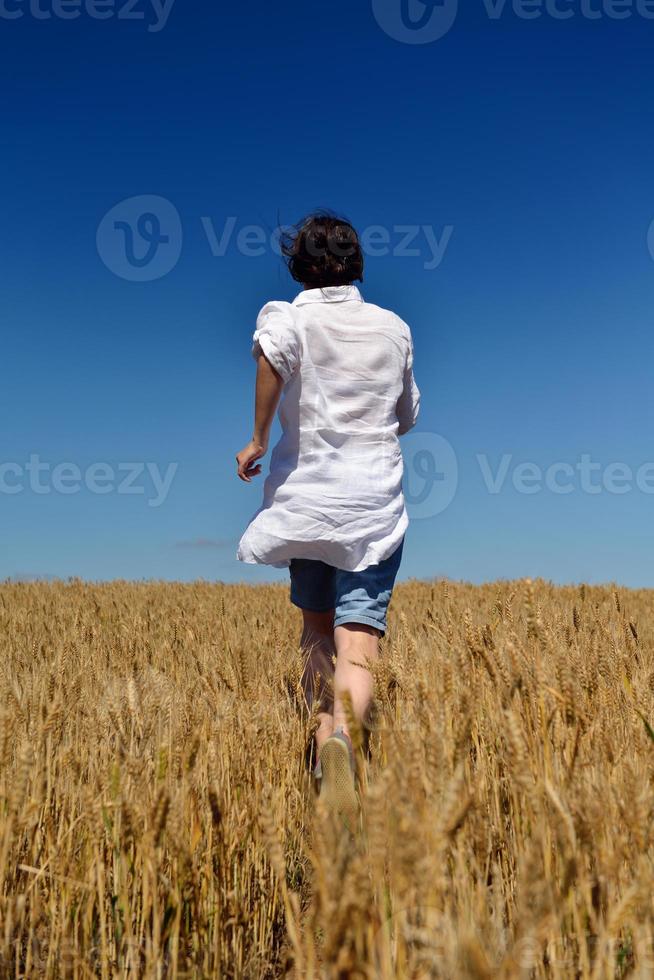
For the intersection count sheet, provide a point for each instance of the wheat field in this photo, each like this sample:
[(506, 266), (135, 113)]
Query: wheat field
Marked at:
[(156, 819)]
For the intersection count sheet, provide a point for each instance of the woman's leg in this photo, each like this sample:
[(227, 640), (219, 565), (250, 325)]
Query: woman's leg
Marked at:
[(317, 679), (357, 646), (361, 603)]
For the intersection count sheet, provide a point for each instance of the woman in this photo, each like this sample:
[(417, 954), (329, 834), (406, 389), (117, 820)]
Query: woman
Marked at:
[(333, 508)]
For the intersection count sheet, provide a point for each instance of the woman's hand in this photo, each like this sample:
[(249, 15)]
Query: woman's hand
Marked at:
[(247, 458)]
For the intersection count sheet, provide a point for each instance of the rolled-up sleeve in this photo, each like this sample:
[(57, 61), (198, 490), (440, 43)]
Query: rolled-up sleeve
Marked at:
[(408, 404), (276, 337)]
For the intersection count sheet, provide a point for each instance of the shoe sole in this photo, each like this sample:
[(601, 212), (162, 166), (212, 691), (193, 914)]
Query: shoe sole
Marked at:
[(337, 785)]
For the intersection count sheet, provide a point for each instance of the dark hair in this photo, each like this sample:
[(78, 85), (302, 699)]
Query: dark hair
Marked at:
[(323, 250)]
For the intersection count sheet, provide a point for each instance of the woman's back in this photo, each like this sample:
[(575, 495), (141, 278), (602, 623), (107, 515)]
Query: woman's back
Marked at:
[(338, 413), (354, 357), (334, 490)]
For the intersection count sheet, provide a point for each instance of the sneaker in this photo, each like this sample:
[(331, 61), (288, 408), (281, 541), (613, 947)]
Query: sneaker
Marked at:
[(335, 772)]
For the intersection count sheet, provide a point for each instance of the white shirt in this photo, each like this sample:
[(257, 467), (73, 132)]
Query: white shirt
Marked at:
[(334, 491)]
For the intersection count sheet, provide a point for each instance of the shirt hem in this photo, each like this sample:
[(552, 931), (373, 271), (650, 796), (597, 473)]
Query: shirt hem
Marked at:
[(373, 553), (252, 559)]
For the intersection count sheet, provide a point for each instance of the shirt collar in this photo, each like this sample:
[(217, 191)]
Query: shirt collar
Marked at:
[(328, 294)]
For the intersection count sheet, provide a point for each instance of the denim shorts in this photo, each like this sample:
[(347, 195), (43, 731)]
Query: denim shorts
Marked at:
[(355, 597)]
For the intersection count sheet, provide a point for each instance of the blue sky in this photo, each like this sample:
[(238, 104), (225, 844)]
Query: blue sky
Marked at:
[(523, 148)]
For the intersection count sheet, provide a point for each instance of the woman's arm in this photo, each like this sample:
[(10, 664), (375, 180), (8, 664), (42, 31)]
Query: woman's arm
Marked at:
[(268, 391), (408, 404)]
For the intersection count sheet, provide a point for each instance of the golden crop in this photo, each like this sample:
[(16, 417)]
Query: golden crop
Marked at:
[(156, 820)]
